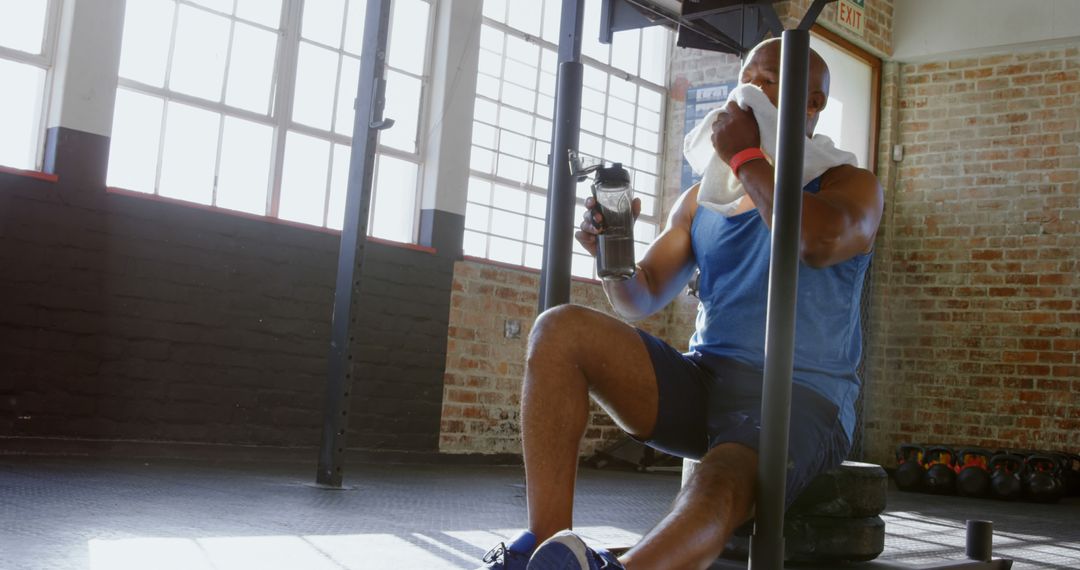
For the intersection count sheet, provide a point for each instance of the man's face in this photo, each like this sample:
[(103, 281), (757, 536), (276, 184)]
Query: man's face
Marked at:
[(762, 69)]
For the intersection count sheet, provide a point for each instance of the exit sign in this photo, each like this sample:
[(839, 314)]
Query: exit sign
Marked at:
[(851, 14)]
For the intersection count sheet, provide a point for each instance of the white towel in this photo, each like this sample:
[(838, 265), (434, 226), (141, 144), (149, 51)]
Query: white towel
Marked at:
[(720, 189)]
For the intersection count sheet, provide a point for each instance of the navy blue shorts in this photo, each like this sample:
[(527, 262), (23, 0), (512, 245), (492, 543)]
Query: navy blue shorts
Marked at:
[(706, 402)]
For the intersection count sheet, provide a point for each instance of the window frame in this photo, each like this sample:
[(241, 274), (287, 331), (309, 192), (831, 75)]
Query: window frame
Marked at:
[(656, 219), (874, 62), (45, 60), (279, 116)]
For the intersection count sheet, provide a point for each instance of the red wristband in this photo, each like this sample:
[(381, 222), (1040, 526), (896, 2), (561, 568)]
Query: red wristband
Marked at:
[(744, 156)]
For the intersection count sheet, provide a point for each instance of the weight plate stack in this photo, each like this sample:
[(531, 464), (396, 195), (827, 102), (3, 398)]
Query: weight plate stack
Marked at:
[(834, 520)]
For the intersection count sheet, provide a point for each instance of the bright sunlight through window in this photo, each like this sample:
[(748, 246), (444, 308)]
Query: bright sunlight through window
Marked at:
[(248, 105), (621, 118), (26, 54)]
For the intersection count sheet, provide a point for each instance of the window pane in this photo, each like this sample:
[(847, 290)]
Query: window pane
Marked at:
[(624, 50), (522, 51), (133, 145), (483, 135), (347, 86), (521, 74), (145, 50), (479, 191), (408, 36), (508, 198), (535, 231), (552, 20), (648, 140), (339, 185), (475, 244), (316, 72), (645, 161), (508, 225), (621, 110), (403, 106), (485, 111), (534, 256), (198, 65), (582, 266), (495, 9), (20, 113), (303, 179), (650, 100), (505, 250), (265, 12), (477, 217), (655, 42), (590, 41), (323, 21), (189, 154), (515, 145), (481, 160), (620, 131), (487, 86), (23, 25), (225, 6), (525, 16), (513, 168), (394, 200), (354, 26), (245, 166), (515, 120), (251, 69), (537, 206)]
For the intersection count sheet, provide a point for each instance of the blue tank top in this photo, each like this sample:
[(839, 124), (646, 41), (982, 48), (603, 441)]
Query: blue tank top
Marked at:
[(732, 254)]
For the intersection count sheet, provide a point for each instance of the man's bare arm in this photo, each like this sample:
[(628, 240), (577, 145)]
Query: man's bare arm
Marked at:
[(838, 223), (663, 271)]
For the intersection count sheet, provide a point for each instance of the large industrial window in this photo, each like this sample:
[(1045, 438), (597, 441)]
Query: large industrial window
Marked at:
[(621, 120), (248, 105), (27, 43)]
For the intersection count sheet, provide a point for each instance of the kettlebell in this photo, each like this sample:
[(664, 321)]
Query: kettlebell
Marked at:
[(1005, 476), (940, 478), (909, 470), (973, 478), (1070, 473), (1042, 479)]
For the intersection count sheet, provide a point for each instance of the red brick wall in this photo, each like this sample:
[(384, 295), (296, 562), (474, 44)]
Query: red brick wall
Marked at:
[(980, 320), (484, 368)]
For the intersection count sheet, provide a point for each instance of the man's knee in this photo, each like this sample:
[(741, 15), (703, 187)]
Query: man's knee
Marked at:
[(558, 331)]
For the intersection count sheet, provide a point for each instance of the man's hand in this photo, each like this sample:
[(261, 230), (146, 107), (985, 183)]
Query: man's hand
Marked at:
[(734, 130), (592, 223)]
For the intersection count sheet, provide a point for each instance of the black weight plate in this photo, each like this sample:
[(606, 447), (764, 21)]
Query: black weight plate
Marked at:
[(852, 490), (821, 539)]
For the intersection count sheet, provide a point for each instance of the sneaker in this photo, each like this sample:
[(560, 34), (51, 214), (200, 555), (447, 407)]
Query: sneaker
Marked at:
[(566, 551), (512, 556)]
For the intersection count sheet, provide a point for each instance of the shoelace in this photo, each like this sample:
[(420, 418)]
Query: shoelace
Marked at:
[(496, 553)]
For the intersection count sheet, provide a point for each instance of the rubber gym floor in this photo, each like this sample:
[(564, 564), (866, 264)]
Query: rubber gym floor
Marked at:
[(109, 514)]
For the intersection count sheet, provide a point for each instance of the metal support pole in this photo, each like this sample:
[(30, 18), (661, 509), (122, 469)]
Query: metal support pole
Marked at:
[(368, 121), (767, 543), (558, 247)]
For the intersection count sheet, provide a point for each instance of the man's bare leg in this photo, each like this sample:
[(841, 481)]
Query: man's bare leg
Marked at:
[(716, 500), (575, 352)]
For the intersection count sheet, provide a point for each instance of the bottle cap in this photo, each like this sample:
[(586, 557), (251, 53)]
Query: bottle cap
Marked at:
[(613, 175)]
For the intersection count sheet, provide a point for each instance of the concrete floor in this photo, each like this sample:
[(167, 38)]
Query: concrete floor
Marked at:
[(87, 514)]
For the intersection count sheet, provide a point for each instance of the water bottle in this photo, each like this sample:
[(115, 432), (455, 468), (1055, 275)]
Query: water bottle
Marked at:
[(614, 196)]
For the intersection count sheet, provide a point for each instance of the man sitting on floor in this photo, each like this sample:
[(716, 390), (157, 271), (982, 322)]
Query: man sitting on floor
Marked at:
[(704, 404)]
